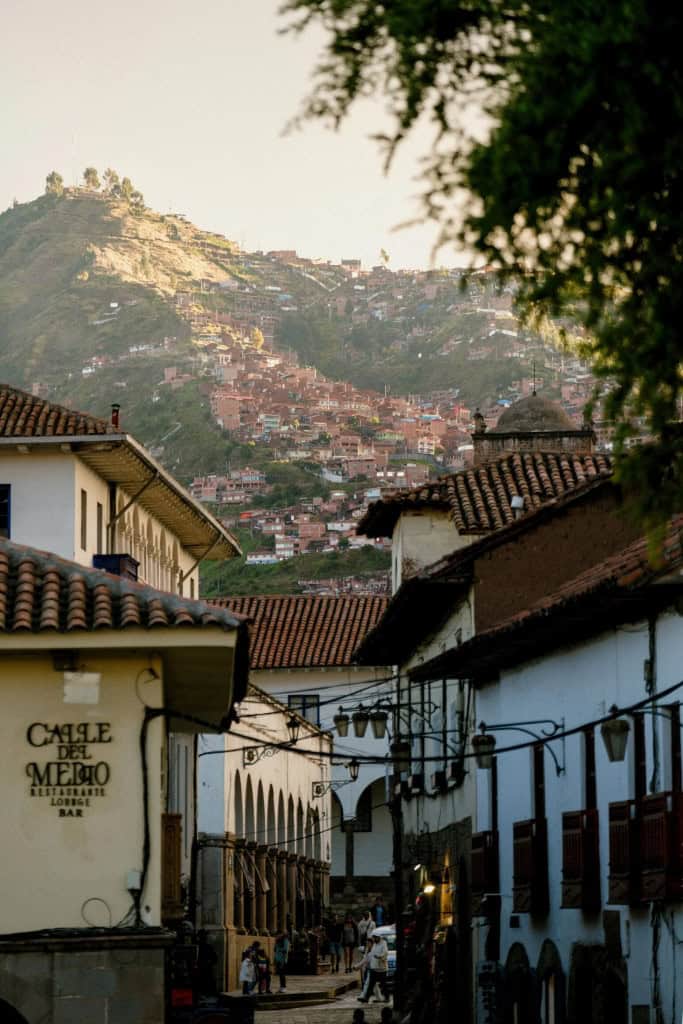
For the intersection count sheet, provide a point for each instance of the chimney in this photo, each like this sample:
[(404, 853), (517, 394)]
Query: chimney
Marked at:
[(115, 415)]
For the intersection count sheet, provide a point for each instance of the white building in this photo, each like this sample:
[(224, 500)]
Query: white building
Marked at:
[(264, 829), (83, 488), (579, 859), (301, 654)]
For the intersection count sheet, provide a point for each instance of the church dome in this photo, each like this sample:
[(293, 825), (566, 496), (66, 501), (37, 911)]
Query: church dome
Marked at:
[(533, 414)]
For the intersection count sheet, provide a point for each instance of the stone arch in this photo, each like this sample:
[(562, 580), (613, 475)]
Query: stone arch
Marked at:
[(137, 536), (239, 807), (520, 985), (308, 837), (163, 561), (317, 838), (260, 815), (149, 552), (271, 821), (597, 988), (299, 827), (175, 569), (249, 822), (8, 1015), (281, 822), (291, 834), (551, 979)]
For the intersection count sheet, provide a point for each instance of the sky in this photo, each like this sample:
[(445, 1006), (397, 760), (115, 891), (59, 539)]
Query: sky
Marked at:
[(190, 100)]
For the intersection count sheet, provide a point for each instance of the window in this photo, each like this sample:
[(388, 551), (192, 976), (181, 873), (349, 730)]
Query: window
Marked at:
[(100, 527), (5, 491), (307, 705), (84, 520)]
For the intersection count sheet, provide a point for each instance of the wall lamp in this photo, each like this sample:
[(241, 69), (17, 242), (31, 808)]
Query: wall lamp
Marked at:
[(484, 744), (615, 731), (319, 789), (251, 755)]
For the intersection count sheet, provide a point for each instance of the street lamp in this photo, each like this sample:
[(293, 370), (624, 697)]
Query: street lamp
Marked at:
[(378, 724), (354, 768), (360, 721), (293, 727), (615, 736), (484, 744), (341, 723)]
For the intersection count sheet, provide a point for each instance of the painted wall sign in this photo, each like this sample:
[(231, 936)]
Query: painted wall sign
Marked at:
[(74, 773)]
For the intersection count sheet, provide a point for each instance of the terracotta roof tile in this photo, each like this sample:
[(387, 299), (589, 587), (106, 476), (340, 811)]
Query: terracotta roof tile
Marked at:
[(614, 586), (480, 499), (302, 631), (40, 592), (24, 415)]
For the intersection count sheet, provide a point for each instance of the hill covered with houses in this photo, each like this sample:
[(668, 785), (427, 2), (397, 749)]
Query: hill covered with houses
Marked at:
[(286, 392)]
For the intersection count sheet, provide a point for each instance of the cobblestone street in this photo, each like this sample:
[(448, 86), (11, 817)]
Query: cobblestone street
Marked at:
[(338, 1012)]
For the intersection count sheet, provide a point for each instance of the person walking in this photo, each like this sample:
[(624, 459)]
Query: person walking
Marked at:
[(335, 932), (349, 941), (379, 912), (366, 927), (247, 973), (378, 964), (280, 958)]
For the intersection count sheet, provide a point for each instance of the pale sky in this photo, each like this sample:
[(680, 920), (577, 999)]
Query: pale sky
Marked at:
[(190, 100)]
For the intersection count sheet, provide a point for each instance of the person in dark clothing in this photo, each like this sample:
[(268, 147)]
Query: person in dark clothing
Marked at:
[(349, 941), (379, 912), (335, 932), (280, 957)]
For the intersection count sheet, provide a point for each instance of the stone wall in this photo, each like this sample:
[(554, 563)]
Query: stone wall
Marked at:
[(115, 979)]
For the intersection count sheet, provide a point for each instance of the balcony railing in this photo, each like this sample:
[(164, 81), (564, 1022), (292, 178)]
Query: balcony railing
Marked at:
[(484, 870), (661, 847), (530, 871), (581, 860), (624, 852)]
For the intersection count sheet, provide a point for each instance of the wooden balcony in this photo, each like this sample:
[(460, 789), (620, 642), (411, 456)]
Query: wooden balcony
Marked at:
[(624, 853), (172, 908), (581, 860), (661, 847), (484, 868), (530, 871)]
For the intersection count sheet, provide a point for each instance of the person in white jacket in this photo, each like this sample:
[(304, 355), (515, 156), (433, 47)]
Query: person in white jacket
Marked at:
[(376, 960), (247, 974)]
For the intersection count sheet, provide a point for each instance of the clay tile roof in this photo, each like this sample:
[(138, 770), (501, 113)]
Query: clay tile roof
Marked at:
[(40, 592), (618, 589), (480, 499), (305, 631), (24, 415)]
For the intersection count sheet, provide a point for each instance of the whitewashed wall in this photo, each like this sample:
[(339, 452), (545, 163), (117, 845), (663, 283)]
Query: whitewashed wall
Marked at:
[(580, 684)]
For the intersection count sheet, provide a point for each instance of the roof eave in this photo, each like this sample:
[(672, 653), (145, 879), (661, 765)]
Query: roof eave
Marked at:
[(219, 546)]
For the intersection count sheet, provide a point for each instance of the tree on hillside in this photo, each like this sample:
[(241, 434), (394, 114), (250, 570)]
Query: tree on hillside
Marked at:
[(137, 201), (257, 339), (576, 179), (127, 189), (112, 182), (91, 178), (54, 184)]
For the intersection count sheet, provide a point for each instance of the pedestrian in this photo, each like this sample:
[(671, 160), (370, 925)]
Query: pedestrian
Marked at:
[(378, 964), (335, 934), (366, 927), (247, 973), (349, 941), (262, 969), (379, 912), (280, 958)]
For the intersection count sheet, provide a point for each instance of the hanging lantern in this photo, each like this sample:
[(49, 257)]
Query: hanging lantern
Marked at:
[(293, 726), (484, 744), (378, 724), (354, 768), (615, 736), (360, 721), (341, 723)]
